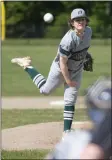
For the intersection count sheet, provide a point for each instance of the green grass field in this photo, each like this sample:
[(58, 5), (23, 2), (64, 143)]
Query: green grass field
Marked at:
[(26, 154), (18, 117), (15, 82)]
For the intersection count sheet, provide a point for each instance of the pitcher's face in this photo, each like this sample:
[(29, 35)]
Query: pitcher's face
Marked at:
[(79, 24)]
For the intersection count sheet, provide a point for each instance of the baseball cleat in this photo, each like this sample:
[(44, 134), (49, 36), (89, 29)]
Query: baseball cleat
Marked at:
[(23, 62), (65, 133)]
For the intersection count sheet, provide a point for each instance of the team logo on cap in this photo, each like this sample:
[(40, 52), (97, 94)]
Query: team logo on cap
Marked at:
[(80, 12)]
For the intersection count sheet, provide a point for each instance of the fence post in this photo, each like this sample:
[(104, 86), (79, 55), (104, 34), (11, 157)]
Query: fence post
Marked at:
[(3, 20)]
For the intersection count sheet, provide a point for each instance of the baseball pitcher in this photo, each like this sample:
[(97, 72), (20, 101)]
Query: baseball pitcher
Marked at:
[(67, 67)]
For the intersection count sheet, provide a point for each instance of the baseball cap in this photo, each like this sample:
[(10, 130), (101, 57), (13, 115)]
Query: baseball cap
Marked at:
[(77, 13)]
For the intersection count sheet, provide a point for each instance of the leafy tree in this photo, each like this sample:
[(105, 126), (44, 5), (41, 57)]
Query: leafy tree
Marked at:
[(28, 16)]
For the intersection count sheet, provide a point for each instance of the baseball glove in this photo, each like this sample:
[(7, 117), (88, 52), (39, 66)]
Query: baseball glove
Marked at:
[(88, 64)]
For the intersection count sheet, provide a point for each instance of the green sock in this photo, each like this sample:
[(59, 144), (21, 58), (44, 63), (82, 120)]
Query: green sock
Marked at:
[(37, 78), (68, 117)]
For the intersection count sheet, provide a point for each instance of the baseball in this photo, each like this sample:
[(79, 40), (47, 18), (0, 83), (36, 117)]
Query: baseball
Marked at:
[(48, 17)]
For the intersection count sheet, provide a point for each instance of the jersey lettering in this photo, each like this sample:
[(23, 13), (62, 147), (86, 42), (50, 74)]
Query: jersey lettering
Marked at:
[(79, 55)]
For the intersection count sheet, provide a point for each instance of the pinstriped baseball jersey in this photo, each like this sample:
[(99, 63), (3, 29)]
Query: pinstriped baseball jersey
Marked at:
[(74, 48)]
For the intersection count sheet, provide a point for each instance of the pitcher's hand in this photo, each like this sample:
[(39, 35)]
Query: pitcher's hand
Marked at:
[(71, 83)]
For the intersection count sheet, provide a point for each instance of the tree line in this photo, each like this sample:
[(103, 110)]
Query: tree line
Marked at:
[(25, 18)]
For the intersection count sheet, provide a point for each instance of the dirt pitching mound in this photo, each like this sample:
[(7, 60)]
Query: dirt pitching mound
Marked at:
[(36, 136)]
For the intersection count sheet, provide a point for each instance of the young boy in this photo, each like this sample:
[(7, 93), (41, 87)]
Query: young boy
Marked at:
[(67, 66)]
